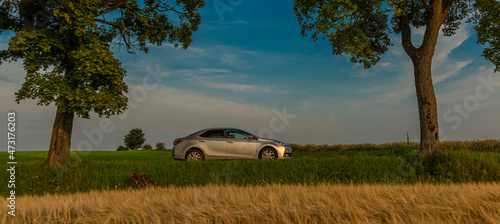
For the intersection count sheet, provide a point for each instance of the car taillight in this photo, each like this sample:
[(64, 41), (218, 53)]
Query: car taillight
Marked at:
[(177, 142)]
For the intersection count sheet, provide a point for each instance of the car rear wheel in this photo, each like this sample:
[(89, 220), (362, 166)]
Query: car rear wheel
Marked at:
[(195, 155), (268, 153)]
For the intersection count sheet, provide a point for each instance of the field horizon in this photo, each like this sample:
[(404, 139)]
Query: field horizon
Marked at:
[(412, 144)]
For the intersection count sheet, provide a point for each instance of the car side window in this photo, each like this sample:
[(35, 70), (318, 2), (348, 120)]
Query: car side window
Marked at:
[(213, 134), (236, 134)]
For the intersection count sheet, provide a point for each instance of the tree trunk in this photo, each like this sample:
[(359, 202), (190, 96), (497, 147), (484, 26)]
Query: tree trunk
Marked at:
[(60, 143), (427, 106), (422, 64)]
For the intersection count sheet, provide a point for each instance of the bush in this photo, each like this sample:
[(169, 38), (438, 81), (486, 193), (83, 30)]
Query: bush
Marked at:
[(147, 147), (135, 139), (142, 181), (160, 146), (122, 148)]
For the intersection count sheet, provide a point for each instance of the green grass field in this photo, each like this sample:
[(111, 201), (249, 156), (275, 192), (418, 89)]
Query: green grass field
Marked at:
[(311, 164)]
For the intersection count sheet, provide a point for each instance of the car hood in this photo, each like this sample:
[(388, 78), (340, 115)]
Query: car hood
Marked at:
[(274, 140)]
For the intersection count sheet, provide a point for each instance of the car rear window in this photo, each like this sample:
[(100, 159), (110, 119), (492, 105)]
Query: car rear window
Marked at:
[(219, 133)]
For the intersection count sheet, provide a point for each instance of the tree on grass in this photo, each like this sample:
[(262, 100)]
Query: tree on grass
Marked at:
[(135, 139), (65, 48), (363, 29), (160, 146)]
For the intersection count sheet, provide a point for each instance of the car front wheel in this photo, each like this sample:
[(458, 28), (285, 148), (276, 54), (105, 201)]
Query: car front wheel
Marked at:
[(194, 155), (268, 154)]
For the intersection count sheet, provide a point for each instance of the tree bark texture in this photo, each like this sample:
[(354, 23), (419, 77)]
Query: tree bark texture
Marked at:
[(427, 107), (422, 64), (60, 143)]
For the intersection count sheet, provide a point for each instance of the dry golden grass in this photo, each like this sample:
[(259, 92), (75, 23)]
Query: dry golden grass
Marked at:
[(420, 203)]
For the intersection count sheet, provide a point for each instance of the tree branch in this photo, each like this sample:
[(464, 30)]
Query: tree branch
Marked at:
[(447, 8), (124, 35), (166, 8), (113, 7), (138, 17), (121, 27), (106, 22), (404, 24), (424, 2)]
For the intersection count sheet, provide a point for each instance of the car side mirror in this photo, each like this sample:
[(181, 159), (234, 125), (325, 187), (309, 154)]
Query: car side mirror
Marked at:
[(253, 137)]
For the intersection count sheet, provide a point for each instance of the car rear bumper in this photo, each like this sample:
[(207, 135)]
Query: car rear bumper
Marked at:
[(176, 156)]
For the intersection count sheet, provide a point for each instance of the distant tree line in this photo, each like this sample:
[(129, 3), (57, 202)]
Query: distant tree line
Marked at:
[(135, 140)]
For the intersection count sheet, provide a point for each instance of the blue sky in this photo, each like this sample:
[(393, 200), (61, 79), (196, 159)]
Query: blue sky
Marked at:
[(250, 67)]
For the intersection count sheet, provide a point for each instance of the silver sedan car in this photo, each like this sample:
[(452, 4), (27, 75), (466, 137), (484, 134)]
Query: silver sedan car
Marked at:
[(228, 143)]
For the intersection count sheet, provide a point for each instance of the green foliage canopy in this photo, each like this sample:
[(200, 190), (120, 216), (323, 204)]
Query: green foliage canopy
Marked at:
[(363, 28), (65, 46)]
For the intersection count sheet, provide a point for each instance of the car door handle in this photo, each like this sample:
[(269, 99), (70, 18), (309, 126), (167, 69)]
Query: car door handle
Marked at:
[(202, 140), (230, 141)]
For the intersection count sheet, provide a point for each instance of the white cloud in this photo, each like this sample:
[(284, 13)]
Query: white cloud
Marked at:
[(242, 22), (210, 77), (446, 45), (451, 71), (238, 87), (361, 73), (457, 91), (216, 25), (190, 49), (235, 61), (213, 70), (167, 97), (254, 53)]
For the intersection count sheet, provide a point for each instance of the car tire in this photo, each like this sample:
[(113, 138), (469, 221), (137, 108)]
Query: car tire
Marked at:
[(195, 155), (268, 153)]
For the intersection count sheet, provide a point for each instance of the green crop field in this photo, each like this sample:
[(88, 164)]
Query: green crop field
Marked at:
[(311, 164)]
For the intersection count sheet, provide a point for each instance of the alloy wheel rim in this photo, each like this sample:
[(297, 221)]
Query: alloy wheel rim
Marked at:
[(268, 154), (194, 156)]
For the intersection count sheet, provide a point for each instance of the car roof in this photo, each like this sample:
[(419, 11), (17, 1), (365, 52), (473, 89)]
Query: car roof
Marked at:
[(218, 128)]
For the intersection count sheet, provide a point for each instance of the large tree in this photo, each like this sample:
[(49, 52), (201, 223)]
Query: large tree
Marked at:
[(363, 29), (65, 49)]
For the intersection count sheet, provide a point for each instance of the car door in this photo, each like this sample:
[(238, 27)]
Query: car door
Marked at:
[(240, 145), (213, 144)]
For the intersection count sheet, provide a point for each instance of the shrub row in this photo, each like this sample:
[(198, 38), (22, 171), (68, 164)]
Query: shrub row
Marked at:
[(490, 145)]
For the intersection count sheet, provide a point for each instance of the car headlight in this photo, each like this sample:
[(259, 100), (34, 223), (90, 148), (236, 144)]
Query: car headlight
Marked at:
[(283, 144)]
